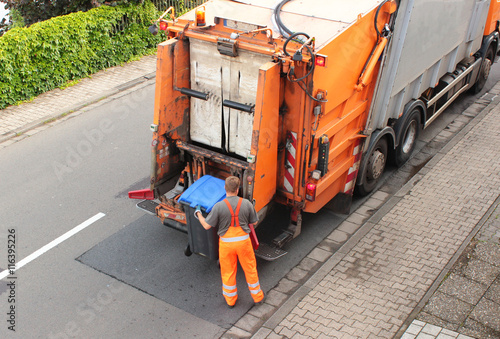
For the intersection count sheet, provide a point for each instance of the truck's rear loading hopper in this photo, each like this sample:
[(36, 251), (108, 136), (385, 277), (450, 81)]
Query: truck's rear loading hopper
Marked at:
[(223, 78)]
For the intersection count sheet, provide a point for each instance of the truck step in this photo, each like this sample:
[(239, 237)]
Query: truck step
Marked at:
[(269, 252), (148, 206)]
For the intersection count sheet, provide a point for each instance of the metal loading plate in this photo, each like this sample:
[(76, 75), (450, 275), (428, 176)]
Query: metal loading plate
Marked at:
[(269, 252), (148, 206)]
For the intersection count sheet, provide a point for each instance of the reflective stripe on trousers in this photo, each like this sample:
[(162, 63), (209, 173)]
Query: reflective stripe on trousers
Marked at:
[(235, 239), (229, 291), (254, 288), (229, 254)]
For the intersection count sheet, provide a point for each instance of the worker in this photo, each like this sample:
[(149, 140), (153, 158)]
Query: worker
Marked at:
[(232, 216)]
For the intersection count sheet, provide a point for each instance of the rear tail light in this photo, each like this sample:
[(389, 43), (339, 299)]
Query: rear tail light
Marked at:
[(311, 192), (200, 16), (163, 25), (320, 60)]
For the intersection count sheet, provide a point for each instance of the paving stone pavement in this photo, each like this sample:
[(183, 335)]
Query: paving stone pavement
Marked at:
[(372, 286), (468, 299), (421, 330)]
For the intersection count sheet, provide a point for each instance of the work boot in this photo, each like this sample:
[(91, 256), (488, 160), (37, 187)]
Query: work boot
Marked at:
[(261, 302)]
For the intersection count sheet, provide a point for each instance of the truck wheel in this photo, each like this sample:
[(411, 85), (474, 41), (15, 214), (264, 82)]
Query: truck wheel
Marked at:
[(187, 251), (409, 136), (484, 72), (374, 168)]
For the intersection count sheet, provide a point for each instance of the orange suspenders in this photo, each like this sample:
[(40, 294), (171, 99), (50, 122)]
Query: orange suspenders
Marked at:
[(235, 220)]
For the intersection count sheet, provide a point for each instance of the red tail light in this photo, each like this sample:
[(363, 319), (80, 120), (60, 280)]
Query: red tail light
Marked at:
[(163, 25), (146, 194), (320, 60), (311, 192)]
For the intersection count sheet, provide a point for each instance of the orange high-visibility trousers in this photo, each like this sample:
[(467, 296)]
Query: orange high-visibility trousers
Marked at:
[(233, 246)]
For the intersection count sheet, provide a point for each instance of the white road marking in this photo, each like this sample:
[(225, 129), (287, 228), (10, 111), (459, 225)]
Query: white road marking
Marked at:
[(53, 243)]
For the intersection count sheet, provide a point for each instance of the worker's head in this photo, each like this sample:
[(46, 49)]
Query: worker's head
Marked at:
[(232, 185)]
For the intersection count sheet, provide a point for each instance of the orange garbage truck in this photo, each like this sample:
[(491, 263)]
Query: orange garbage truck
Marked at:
[(304, 101)]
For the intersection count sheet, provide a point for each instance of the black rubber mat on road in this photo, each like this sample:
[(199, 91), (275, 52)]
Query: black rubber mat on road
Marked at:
[(150, 257)]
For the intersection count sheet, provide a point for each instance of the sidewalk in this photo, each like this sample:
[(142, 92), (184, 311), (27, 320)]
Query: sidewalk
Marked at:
[(380, 279), (16, 120), (377, 275), (468, 300)]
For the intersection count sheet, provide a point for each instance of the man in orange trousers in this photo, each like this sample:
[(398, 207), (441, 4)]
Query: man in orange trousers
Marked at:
[(232, 216)]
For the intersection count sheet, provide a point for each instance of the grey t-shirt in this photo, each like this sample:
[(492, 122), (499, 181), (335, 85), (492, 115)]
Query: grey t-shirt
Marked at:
[(221, 217)]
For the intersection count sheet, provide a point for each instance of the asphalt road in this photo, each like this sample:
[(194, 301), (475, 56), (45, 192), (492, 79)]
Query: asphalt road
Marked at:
[(54, 181), (123, 275)]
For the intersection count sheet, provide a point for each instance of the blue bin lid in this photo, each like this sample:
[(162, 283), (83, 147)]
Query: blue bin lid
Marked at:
[(206, 192)]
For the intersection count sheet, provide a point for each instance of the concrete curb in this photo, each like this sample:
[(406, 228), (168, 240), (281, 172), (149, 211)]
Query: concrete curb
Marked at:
[(327, 266)]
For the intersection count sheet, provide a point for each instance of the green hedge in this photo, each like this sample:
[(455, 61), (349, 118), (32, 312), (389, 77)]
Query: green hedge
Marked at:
[(50, 53)]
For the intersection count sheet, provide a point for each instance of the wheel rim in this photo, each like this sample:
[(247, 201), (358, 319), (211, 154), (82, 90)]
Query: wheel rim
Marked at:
[(377, 165), (485, 71), (409, 138), (487, 68)]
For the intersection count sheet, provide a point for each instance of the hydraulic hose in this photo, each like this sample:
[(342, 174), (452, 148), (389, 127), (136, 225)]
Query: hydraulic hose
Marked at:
[(376, 17), (313, 58), (277, 12), (287, 32), (291, 38)]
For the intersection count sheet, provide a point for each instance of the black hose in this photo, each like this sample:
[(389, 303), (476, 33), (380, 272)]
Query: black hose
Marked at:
[(304, 88), (376, 18), (313, 61), (292, 35), (280, 24), (290, 38), (313, 57)]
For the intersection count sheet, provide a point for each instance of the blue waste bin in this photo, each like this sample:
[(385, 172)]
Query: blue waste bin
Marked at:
[(206, 192)]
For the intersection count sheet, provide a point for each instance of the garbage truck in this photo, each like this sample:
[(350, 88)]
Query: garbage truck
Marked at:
[(305, 101)]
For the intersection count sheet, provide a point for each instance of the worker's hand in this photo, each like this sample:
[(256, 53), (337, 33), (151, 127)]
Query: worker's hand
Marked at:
[(198, 209)]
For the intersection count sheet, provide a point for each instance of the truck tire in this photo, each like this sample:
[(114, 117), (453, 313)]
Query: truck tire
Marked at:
[(484, 72), (374, 168), (410, 130)]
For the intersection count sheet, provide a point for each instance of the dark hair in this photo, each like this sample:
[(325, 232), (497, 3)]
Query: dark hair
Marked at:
[(232, 184)]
